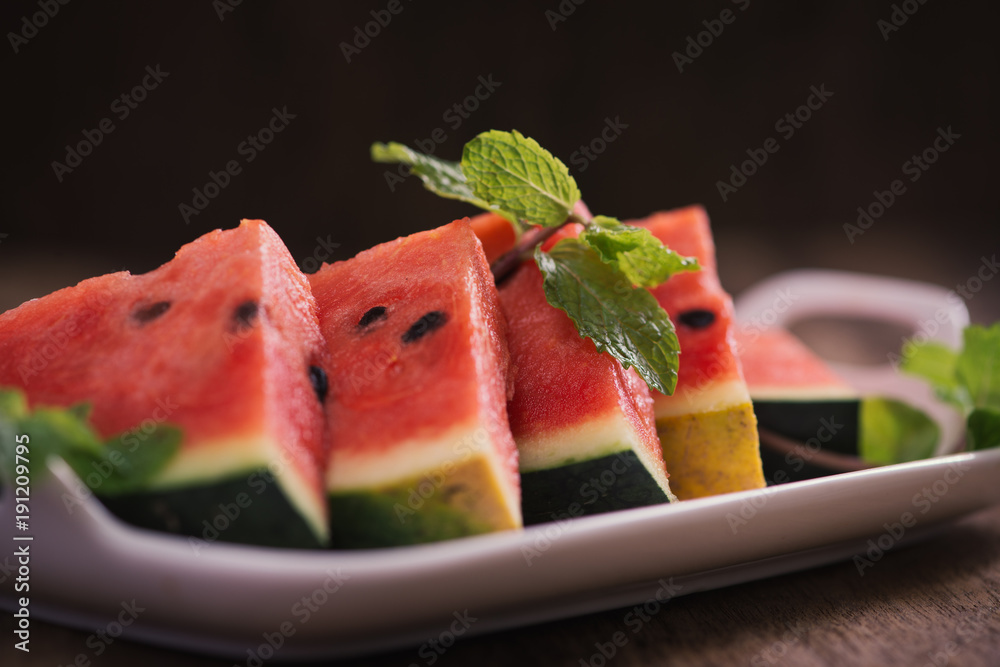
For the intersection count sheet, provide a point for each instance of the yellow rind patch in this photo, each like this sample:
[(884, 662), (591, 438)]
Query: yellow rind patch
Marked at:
[(456, 499), (709, 453)]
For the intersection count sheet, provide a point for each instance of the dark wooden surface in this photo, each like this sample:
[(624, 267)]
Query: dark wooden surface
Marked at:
[(934, 603)]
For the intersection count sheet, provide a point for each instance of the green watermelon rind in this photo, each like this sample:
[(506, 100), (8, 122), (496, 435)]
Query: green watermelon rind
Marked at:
[(382, 518), (607, 483), (246, 508)]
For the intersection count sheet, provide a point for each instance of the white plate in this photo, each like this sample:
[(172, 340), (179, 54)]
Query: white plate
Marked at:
[(239, 601), (227, 599)]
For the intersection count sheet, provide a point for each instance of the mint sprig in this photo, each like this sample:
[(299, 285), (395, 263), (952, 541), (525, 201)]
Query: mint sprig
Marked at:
[(442, 177), (968, 379), (514, 174), (598, 279), (634, 251), (622, 319), (895, 432), (116, 465)]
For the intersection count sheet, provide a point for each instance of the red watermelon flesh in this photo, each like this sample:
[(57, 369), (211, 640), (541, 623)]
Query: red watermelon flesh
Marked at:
[(576, 413), (421, 446), (777, 364), (221, 341), (707, 427)]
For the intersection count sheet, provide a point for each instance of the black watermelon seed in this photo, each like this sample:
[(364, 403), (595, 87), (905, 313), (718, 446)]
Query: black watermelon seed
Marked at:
[(245, 314), (319, 382), (373, 315), (147, 314), (426, 324), (697, 319)]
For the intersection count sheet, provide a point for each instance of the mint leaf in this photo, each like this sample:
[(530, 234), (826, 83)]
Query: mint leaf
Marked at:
[(136, 463), (514, 174), (119, 465), (978, 365), (983, 429), (935, 363), (442, 177), (625, 321), (894, 432), (634, 251)]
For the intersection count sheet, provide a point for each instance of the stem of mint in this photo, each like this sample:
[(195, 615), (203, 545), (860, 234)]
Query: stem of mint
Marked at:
[(505, 265)]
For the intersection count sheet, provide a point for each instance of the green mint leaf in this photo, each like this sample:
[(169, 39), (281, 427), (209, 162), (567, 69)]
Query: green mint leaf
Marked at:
[(936, 363), (978, 365), (442, 177), (625, 321), (138, 462), (894, 432), (514, 174), (121, 464), (983, 429), (634, 251)]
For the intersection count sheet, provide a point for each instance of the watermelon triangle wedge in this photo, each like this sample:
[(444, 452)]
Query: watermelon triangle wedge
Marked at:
[(421, 449), (222, 341), (707, 427)]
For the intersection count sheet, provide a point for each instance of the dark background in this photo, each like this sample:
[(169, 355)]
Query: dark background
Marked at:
[(119, 208)]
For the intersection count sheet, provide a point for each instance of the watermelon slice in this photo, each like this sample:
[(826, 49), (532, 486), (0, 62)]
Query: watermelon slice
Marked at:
[(584, 425), (421, 446), (222, 341), (707, 427), (797, 396)]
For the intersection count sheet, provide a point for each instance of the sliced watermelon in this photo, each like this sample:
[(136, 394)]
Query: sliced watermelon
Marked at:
[(222, 341), (707, 427), (584, 425), (421, 446), (797, 396)]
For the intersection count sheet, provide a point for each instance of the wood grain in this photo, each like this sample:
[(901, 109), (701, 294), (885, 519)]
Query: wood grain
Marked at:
[(936, 603)]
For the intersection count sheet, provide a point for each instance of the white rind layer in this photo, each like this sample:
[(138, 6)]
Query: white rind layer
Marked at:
[(804, 393), (213, 461), (694, 400), (602, 436), (436, 458)]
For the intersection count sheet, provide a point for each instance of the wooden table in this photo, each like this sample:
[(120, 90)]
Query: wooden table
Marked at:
[(935, 603)]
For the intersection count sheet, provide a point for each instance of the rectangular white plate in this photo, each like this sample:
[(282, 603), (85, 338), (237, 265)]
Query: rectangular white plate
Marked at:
[(223, 599)]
